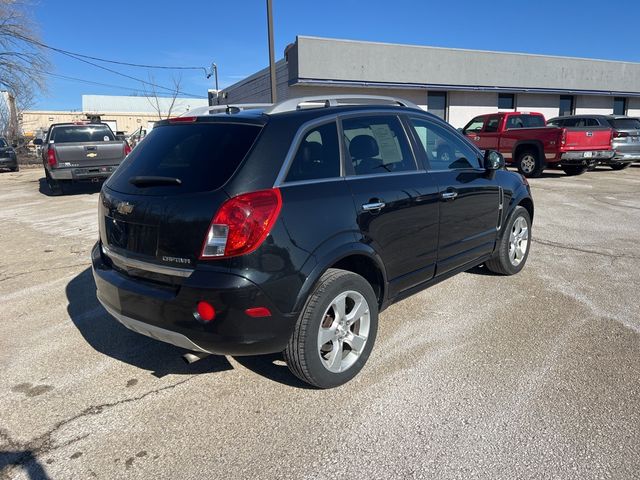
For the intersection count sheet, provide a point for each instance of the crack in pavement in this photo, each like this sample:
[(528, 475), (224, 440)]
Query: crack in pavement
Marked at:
[(42, 270), (584, 250), (44, 443)]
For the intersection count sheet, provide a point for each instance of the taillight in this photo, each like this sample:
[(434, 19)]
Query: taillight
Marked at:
[(51, 157), (617, 134), (241, 224), (127, 149), (183, 119), (563, 138)]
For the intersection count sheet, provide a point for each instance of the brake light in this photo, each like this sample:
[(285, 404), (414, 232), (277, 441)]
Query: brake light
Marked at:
[(183, 119), (617, 134), (204, 312), (51, 157), (241, 224), (563, 138), (127, 149)]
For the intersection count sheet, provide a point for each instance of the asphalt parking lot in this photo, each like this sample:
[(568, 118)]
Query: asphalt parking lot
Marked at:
[(481, 376)]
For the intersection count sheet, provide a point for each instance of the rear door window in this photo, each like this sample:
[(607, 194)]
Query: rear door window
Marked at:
[(77, 133), (318, 155), (377, 145), (203, 156)]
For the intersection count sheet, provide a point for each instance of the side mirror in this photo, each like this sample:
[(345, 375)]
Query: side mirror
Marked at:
[(37, 141), (493, 160)]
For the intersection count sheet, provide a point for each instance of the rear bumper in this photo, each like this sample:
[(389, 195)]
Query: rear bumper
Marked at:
[(8, 162), (626, 157), (166, 312), (585, 158), (82, 173)]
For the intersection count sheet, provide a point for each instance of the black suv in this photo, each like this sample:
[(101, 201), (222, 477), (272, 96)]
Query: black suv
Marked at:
[(247, 231)]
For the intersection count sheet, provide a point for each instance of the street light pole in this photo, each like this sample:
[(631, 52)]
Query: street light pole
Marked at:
[(272, 63), (214, 67)]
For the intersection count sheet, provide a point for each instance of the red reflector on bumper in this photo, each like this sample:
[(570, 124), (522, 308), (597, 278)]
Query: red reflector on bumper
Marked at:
[(257, 312), (205, 312)]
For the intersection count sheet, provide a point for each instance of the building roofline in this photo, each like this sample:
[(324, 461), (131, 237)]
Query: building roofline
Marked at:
[(462, 88), (466, 50)]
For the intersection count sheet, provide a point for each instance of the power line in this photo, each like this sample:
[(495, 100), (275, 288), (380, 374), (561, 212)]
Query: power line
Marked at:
[(163, 67), (172, 90), (91, 82)]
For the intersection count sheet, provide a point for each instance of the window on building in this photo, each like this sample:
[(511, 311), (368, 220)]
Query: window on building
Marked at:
[(318, 155), (506, 101), (437, 104), (619, 106), (444, 150), (566, 105)]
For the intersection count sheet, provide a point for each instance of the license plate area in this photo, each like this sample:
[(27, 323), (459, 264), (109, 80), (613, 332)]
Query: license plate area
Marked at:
[(133, 237), (587, 154)]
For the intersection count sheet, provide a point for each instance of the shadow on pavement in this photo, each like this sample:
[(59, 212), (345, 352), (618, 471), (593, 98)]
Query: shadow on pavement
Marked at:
[(108, 336), (26, 460), (79, 188)]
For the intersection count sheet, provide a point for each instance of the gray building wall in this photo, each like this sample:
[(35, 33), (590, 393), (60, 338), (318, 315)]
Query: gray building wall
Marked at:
[(472, 79)]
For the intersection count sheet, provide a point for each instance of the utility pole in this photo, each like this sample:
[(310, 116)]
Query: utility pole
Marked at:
[(272, 63)]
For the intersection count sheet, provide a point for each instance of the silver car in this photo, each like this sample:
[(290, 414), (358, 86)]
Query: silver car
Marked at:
[(625, 139)]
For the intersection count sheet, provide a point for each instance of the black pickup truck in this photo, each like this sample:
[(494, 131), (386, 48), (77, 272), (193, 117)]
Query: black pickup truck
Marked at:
[(80, 152)]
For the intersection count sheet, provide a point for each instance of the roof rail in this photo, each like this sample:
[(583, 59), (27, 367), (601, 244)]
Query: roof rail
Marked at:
[(324, 101), (229, 109)]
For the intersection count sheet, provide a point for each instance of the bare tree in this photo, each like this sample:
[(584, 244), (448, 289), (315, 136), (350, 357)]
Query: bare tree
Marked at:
[(157, 102), (22, 60)]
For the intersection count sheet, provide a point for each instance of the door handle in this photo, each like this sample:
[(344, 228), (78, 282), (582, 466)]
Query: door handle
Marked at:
[(371, 207), (448, 195)]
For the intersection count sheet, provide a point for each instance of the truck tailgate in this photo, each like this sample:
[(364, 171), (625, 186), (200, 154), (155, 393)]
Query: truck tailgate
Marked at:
[(587, 139), (89, 154)]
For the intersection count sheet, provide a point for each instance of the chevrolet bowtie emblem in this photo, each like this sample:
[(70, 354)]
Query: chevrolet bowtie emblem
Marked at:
[(91, 155)]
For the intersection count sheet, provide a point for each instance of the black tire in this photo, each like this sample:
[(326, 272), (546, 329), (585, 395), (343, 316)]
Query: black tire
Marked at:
[(15, 169), (530, 164), (501, 262), (574, 169), (620, 166), (303, 355), (55, 187)]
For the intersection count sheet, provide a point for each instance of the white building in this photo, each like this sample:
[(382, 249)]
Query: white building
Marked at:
[(452, 83)]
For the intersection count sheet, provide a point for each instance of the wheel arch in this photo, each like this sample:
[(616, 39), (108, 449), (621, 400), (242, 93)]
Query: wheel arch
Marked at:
[(524, 145), (357, 258)]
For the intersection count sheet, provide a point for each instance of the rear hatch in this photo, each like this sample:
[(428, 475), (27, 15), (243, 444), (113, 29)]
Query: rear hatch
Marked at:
[(586, 138), (158, 205), (626, 137), (88, 145)]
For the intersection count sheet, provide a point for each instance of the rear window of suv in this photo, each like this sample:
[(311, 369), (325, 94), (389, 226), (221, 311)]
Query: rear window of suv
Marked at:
[(88, 133), (626, 124), (203, 156)]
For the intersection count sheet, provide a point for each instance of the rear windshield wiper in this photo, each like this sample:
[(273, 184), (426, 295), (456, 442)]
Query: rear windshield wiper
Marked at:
[(152, 181)]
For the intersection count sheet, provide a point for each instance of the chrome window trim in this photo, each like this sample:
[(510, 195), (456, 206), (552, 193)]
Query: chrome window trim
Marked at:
[(147, 266), (295, 144), (384, 175), (311, 181)]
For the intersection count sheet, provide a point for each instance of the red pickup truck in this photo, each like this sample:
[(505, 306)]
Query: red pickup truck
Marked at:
[(526, 142)]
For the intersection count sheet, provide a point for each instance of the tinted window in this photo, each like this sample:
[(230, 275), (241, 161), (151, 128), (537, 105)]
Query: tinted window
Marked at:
[(2, 143), (556, 122), (506, 101), (474, 125), (566, 105), (524, 121), (437, 104), (626, 124), (444, 150), (202, 155), (377, 145), (619, 106), (492, 124), (85, 133), (318, 155)]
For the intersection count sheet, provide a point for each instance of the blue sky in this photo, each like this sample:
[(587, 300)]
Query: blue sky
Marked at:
[(234, 34)]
